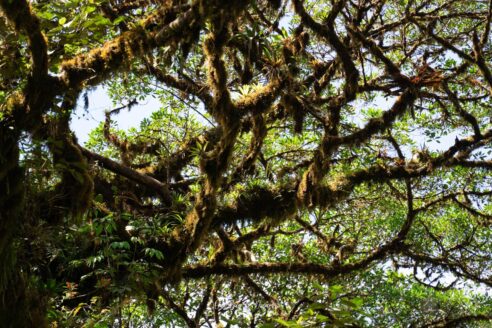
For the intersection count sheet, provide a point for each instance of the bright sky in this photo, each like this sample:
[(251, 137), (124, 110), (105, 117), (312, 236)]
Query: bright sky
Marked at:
[(83, 122)]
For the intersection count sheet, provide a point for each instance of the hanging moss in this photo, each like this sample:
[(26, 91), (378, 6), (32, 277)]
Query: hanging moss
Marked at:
[(76, 185)]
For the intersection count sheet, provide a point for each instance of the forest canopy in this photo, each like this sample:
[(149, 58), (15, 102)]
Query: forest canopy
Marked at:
[(310, 163)]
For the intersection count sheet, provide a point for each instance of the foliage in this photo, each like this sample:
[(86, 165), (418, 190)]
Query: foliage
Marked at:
[(312, 163)]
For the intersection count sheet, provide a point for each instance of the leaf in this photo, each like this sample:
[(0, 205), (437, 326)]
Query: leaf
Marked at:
[(267, 325), (288, 323), (89, 9), (120, 245), (119, 20), (155, 253), (78, 308)]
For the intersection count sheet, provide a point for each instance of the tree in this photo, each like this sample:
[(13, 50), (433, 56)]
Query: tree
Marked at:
[(313, 163)]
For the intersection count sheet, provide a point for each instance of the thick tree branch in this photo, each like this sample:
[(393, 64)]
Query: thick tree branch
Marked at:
[(160, 188)]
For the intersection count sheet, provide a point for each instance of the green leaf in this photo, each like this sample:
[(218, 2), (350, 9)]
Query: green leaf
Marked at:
[(155, 253), (120, 245), (267, 325), (89, 9)]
